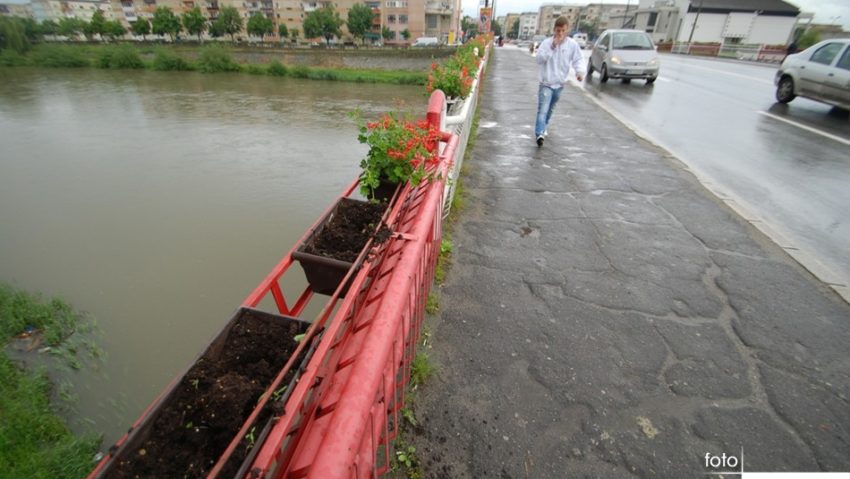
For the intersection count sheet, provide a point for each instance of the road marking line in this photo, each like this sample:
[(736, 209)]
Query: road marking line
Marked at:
[(807, 128), (715, 70)]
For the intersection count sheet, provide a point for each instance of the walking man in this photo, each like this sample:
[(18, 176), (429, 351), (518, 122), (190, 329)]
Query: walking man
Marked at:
[(555, 56)]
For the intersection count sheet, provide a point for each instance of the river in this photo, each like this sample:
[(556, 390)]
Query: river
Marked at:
[(155, 202)]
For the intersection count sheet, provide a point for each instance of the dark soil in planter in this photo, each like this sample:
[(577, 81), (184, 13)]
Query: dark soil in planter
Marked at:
[(211, 403), (348, 231)]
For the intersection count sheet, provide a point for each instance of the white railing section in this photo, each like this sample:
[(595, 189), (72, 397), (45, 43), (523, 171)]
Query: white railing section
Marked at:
[(459, 121)]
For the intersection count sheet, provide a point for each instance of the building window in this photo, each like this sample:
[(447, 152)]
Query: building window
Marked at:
[(402, 19), (431, 20), (653, 17), (390, 18)]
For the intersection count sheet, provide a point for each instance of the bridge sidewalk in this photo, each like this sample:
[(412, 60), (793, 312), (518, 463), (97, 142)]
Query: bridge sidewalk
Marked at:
[(606, 316)]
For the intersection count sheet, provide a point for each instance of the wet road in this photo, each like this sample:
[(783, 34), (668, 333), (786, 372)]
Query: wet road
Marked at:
[(784, 167)]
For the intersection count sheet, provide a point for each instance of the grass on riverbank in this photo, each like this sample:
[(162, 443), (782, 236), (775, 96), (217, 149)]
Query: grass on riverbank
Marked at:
[(34, 441), (210, 59)]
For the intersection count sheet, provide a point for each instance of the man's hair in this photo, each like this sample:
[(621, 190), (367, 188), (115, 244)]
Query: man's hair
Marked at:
[(562, 22)]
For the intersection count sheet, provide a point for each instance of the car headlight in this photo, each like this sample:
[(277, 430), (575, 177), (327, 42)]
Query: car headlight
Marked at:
[(615, 60), (652, 62)]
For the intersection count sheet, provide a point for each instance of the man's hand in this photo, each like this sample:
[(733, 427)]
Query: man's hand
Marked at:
[(557, 40), (579, 77)]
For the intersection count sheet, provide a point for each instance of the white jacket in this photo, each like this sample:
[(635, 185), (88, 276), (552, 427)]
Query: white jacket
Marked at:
[(555, 63)]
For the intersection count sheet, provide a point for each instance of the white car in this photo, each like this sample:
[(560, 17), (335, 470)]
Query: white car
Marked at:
[(581, 39), (624, 54), (820, 72), (426, 42)]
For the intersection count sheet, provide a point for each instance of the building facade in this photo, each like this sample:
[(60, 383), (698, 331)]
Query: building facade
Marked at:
[(15, 10), (527, 25), (548, 13), (420, 18), (769, 22)]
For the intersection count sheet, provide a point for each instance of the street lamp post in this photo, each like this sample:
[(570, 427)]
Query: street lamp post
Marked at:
[(628, 2), (694, 26)]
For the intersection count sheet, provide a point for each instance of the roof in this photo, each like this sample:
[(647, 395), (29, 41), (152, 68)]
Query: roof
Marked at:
[(764, 7)]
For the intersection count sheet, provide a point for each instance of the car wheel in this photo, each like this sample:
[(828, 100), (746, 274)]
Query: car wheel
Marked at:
[(650, 81), (785, 90), (627, 80), (603, 74)]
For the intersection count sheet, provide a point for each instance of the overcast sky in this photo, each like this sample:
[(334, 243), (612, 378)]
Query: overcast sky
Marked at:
[(825, 10)]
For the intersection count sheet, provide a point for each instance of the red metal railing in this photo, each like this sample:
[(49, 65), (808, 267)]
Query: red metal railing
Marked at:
[(342, 412), (344, 409)]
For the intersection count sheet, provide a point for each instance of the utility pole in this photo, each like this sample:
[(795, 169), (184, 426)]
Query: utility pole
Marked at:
[(628, 2), (694, 26)]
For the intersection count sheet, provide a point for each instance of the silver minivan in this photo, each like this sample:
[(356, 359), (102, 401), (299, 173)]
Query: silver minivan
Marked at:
[(624, 54)]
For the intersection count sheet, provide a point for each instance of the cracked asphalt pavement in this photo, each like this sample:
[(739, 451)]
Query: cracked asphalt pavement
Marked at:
[(605, 316)]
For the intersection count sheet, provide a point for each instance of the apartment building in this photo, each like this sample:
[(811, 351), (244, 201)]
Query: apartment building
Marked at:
[(547, 15), (15, 10), (527, 25), (432, 18), (510, 20)]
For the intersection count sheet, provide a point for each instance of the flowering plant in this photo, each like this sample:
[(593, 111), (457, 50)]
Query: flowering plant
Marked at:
[(455, 81), (400, 150)]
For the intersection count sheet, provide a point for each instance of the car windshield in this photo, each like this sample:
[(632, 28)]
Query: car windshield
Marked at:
[(632, 41)]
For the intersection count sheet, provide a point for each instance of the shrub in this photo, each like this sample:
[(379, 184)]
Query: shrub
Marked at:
[(215, 58), (166, 60), (255, 70), (276, 68), (11, 58), (59, 56), (119, 56), (301, 71)]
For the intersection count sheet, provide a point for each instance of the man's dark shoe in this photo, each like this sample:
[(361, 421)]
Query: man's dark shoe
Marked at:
[(540, 140)]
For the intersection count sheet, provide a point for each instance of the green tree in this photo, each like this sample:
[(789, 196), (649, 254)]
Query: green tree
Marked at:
[(807, 39), (294, 35), (12, 35), (113, 29), (590, 28), (141, 27), (323, 22), (31, 29), (194, 22), (282, 31), (95, 25), (514, 33), (228, 22), (165, 22), (260, 25), (497, 29), (360, 21), (49, 27), (71, 27), (387, 34), (405, 34), (469, 26)]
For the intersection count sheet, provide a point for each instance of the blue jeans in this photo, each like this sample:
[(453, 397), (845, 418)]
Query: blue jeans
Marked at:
[(546, 99)]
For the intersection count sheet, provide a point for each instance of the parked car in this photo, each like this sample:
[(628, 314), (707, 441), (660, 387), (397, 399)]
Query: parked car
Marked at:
[(426, 42), (624, 54), (820, 72), (581, 39)]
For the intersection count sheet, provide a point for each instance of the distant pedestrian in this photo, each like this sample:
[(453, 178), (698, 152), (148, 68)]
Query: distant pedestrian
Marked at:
[(555, 56)]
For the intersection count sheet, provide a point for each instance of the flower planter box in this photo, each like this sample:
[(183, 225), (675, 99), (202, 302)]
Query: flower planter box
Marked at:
[(332, 247), (188, 429)]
